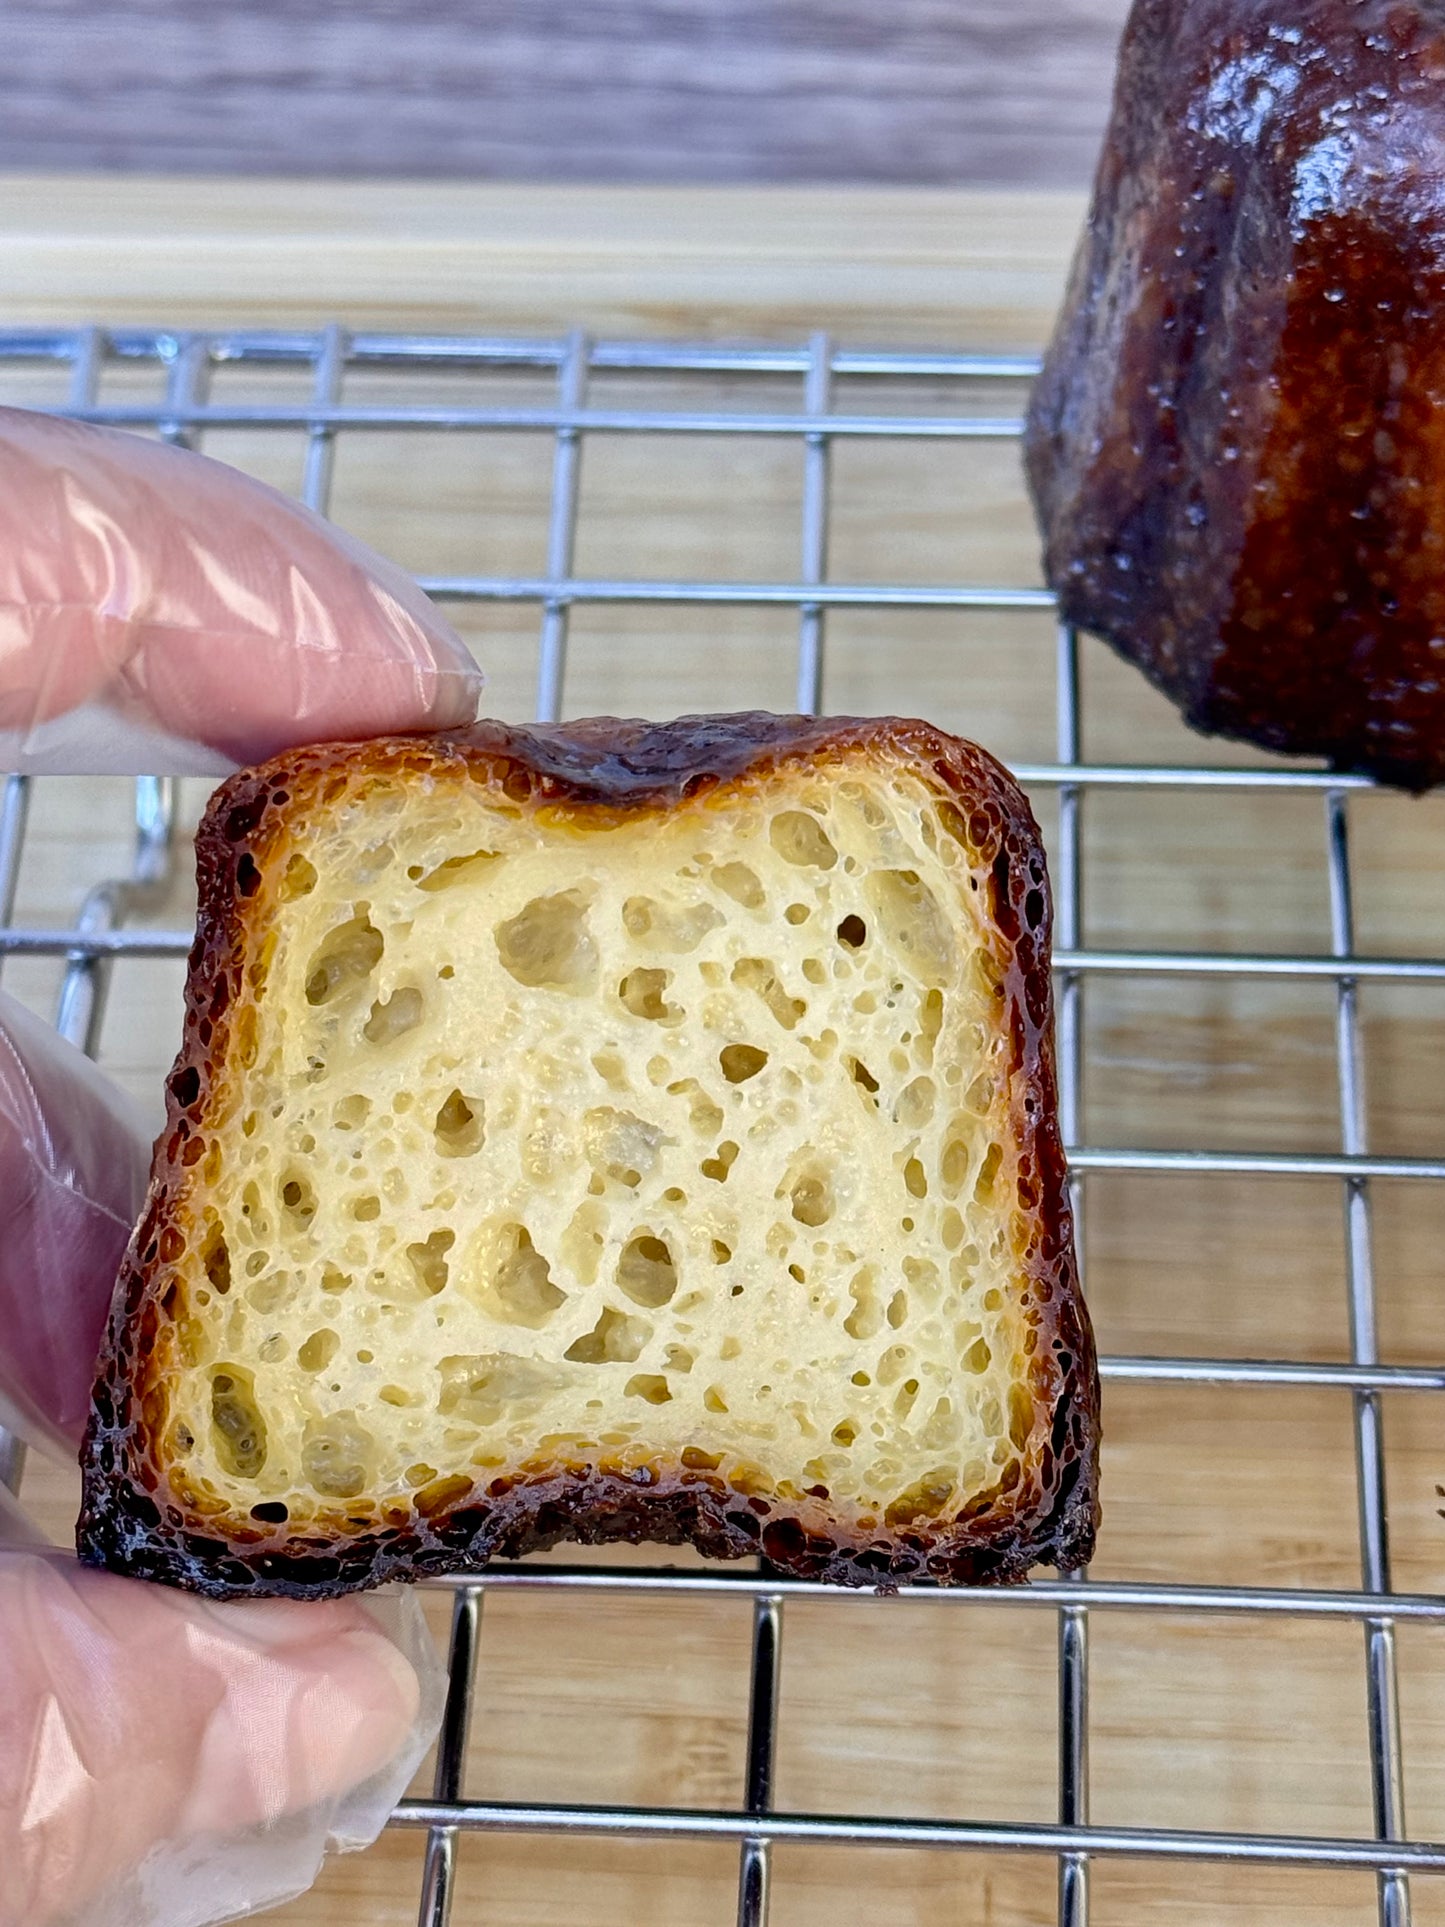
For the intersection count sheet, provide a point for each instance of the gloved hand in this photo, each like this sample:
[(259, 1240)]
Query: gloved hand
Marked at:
[(164, 615), (165, 1761)]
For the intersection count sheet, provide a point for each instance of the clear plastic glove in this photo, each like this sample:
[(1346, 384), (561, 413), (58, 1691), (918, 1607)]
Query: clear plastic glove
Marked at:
[(74, 1159), (165, 1761), (162, 614)]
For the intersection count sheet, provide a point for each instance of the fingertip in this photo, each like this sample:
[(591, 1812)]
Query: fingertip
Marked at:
[(317, 1700), (377, 1699), (150, 1725), (366, 1666)]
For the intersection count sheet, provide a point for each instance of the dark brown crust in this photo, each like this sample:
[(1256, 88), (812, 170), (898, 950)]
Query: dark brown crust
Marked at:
[(1237, 444), (132, 1519)]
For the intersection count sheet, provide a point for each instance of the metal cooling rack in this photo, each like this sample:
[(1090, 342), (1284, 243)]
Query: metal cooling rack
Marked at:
[(181, 415)]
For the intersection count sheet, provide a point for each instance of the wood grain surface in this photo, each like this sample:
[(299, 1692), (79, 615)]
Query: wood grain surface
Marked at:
[(923, 91), (937, 1708), (919, 266)]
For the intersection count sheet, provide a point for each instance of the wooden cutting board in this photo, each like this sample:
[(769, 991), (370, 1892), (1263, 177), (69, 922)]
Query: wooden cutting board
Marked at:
[(931, 1709)]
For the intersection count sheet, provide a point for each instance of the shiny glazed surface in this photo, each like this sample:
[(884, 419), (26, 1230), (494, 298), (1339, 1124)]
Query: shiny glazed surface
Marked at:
[(1237, 447)]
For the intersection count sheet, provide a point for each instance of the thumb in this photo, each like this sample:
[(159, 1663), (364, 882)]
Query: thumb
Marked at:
[(140, 1723), (185, 598)]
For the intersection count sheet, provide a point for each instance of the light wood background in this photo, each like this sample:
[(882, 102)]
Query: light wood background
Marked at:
[(923, 91), (930, 1709)]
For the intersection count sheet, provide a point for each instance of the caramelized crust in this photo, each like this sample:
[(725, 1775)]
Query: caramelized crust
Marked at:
[(1237, 445), (143, 1514)]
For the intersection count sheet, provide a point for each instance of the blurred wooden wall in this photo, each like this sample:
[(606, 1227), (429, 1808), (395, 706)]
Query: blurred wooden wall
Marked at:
[(944, 92)]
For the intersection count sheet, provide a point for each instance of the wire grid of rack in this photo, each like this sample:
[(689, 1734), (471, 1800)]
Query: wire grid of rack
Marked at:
[(809, 372)]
